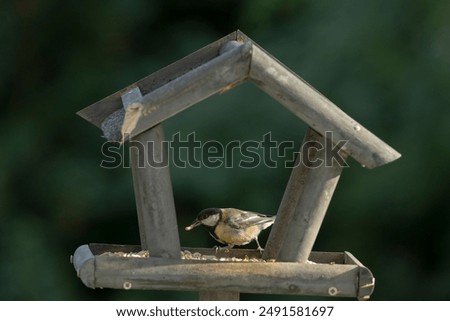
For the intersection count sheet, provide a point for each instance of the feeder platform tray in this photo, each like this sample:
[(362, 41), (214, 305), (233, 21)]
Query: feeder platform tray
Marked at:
[(126, 267)]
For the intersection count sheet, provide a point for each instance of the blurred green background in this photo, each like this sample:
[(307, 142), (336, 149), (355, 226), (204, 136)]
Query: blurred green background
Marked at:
[(385, 63)]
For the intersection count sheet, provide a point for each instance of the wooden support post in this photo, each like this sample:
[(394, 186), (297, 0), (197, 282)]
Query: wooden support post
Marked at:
[(304, 203), (289, 202), (319, 185), (153, 190)]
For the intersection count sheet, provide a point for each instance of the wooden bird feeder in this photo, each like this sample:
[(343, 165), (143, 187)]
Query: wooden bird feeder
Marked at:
[(138, 111)]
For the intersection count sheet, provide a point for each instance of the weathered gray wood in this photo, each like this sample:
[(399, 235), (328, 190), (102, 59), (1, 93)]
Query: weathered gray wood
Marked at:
[(132, 95), (317, 111), (221, 73), (217, 75), (289, 203), (217, 68), (209, 71), (98, 111), (82, 254), (336, 273), (153, 189), (154, 197), (318, 185), (183, 275), (218, 296)]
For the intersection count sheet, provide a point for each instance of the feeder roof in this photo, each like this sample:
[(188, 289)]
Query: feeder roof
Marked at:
[(219, 67)]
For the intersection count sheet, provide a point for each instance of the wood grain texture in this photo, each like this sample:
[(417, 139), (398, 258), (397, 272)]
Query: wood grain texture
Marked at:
[(212, 69), (307, 212), (289, 203), (154, 196), (182, 275), (335, 273), (218, 296), (317, 111), (98, 111), (217, 75)]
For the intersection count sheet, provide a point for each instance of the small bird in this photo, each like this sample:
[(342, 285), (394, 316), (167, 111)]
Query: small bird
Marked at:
[(232, 226)]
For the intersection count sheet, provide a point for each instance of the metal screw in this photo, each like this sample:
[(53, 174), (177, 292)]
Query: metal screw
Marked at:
[(333, 291), (127, 285), (293, 288)]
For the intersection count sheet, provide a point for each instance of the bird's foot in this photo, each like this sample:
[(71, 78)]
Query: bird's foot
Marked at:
[(226, 249)]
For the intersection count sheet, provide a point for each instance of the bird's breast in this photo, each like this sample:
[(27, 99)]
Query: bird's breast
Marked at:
[(236, 236)]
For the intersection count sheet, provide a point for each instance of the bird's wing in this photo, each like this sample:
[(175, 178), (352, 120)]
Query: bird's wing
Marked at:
[(243, 219)]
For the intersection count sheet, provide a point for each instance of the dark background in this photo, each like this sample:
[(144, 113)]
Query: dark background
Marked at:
[(385, 63)]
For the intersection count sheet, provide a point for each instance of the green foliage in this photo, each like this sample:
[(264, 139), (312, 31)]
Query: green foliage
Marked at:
[(385, 63)]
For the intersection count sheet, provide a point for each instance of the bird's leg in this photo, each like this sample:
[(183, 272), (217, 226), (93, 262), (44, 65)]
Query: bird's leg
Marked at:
[(259, 246)]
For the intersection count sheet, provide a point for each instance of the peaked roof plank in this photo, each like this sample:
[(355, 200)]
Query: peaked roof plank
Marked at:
[(227, 70), (317, 111), (97, 112)]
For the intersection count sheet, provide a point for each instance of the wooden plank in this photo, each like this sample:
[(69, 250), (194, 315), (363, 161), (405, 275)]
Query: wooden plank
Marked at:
[(94, 263), (366, 281), (195, 275), (155, 205), (98, 111), (154, 196), (317, 111), (289, 203), (218, 296), (317, 186), (217, 75), (269, 74)]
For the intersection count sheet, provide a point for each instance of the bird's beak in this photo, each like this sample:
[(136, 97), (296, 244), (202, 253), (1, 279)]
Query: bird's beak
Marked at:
[(194, 224)]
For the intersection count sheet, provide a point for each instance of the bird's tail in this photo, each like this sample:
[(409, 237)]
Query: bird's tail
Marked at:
[(268, 221)]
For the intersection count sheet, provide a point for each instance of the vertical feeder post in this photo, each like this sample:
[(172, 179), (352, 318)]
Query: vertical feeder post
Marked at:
[(153, 189), (304, 202), (288, 203)]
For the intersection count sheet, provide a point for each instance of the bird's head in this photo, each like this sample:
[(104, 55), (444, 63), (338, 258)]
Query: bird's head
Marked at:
[(208, 217)]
